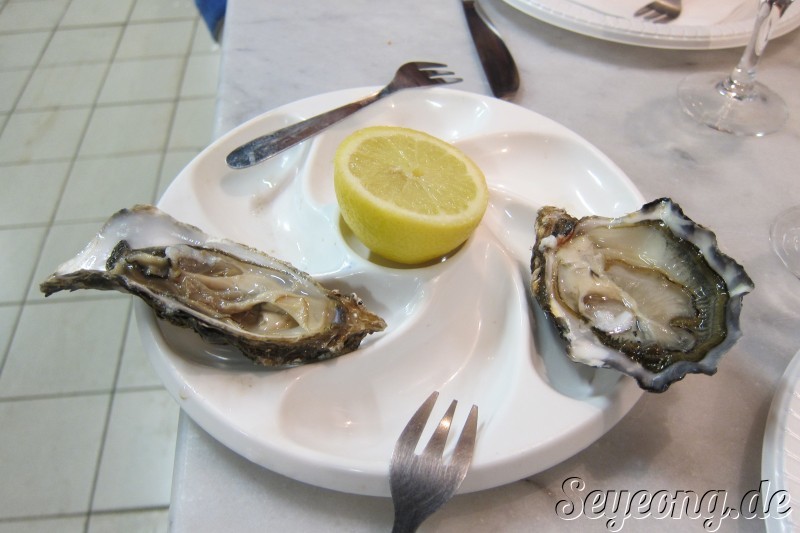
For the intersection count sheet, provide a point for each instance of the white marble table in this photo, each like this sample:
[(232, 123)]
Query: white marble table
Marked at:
[(703, 434)]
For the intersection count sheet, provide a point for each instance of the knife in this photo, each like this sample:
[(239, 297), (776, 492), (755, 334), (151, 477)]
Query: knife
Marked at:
[(498, 65)]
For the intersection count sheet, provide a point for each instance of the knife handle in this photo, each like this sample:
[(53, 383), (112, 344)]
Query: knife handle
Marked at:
[(496, 59)]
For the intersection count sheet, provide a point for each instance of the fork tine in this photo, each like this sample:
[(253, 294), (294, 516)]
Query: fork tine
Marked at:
[(439, 438), (658, 18), (432, 73), (652, 15), (427, 64), (447, 80), (466, 442), (413, 430)]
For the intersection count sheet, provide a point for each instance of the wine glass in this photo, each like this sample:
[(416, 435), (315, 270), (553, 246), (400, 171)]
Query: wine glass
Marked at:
[(785, 237), (737, 103)]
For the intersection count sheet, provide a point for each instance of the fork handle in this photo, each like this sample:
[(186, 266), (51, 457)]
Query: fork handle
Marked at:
[(266, 146)]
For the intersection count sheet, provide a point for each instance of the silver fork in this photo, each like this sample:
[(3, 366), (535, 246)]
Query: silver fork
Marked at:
[(414, 74), (420, 484), (660, 11)]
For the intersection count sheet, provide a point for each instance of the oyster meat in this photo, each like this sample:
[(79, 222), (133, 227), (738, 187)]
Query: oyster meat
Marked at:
[(228, 293), (649, 293)]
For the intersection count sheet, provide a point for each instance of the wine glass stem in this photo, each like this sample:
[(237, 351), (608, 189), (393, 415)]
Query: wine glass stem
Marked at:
[(741, 82)]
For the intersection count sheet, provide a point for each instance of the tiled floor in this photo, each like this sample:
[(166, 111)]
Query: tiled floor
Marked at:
[(102, 102)]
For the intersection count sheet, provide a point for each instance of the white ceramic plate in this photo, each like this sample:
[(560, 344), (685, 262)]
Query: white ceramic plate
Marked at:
[(463, 326), (780, 453), (682, 33)]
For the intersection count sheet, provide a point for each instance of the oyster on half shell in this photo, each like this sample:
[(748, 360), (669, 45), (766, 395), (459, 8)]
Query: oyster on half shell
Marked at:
[(649, 293), (228, 293)]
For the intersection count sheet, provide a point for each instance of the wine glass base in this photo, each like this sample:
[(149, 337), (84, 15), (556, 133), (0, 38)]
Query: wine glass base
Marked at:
[(707, 99), (785, 238)]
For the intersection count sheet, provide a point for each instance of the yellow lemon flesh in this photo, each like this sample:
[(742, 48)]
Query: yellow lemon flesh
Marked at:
[(407, 195)]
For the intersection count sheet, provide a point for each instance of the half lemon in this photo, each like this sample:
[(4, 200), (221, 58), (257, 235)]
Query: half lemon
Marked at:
[(408, 196)]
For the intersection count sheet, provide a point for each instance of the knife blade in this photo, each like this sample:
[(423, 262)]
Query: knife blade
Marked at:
[(496, 59)]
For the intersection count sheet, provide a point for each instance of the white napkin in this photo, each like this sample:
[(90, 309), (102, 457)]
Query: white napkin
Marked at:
[(695, 12)]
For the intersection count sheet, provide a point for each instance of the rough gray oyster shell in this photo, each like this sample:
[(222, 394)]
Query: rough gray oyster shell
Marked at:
[(649, 293), (227, 292)]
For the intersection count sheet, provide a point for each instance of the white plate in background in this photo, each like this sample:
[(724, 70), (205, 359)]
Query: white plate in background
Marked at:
[(682, 33), (780, 453)]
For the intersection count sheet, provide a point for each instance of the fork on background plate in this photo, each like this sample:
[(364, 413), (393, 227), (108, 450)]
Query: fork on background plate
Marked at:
[(660, 11), (422, 483), (409, 75)]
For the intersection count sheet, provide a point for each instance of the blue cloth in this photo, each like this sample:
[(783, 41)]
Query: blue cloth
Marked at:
[(213, 13)]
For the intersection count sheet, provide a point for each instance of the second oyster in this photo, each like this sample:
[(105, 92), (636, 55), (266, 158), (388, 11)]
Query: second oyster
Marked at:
[(648, 294), (227, 292)]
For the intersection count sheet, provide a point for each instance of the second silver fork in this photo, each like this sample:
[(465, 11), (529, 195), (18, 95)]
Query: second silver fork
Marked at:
[(414, 74), (660, 11)]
